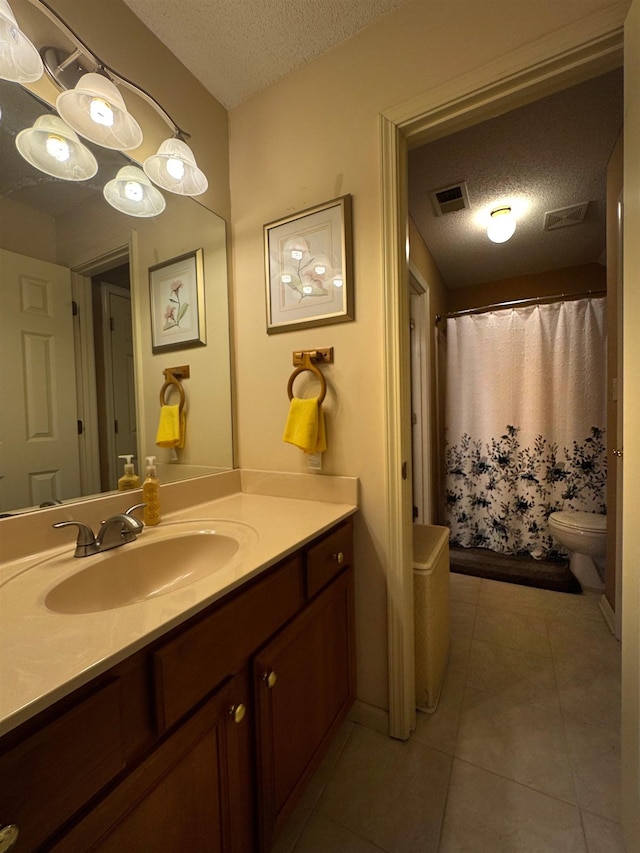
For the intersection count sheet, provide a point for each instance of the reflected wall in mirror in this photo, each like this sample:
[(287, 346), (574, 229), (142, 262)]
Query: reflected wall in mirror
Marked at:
[(82, 381)]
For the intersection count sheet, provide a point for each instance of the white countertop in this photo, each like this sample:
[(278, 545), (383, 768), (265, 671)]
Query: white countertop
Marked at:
[(44, 655)]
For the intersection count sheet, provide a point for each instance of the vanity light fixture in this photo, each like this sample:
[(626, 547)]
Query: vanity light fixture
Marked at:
[(174, 168), (54, 148), (96, 110), (502, 225), (132, 192), (19, 60)]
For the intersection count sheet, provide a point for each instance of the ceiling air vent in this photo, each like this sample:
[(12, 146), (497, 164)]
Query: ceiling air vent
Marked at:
[(451, 198), (565, 216)]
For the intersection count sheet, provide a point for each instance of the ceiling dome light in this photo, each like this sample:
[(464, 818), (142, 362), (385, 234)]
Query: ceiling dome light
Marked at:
[(20, 62), (132, 192), (174, 169), (54, 148), (502, 225), (96, 110)]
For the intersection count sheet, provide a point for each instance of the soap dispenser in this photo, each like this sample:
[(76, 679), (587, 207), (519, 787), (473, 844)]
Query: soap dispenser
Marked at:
[(151, 493), (129, 479)]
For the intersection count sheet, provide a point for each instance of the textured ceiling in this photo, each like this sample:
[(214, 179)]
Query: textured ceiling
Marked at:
[(548, 155), (237, 48)]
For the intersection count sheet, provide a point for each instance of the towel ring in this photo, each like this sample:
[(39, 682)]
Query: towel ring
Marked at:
[(308, 365), (175, 384)]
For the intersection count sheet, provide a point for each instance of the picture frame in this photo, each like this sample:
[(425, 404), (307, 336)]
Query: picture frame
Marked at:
[(309, 267), (176, 290)]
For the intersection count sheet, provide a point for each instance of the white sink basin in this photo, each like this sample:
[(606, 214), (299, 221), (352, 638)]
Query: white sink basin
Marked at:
[(160, 561)]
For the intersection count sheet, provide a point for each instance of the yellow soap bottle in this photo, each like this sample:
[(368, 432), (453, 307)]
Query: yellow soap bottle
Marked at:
[(151, 493), (129, 479)]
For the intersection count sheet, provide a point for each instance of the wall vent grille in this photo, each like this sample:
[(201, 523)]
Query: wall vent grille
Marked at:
[(450, 199), (565, 216)]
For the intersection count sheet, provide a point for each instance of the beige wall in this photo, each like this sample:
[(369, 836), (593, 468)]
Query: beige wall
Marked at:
[(568, 280), (27, 231), (309, 138)]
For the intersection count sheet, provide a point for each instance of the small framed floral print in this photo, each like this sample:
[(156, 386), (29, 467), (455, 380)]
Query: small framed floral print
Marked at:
[(308, 265), (177, 302)]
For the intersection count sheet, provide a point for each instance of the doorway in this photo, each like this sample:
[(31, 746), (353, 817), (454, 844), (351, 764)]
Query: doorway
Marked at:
[(104, 368), (529, 77), (115, 375)]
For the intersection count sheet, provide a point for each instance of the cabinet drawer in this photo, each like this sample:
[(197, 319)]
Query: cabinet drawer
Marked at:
[(50, 775), (328, 557), (189, 666)]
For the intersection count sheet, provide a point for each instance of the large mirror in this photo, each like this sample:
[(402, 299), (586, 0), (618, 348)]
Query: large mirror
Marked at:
[(81, 381)]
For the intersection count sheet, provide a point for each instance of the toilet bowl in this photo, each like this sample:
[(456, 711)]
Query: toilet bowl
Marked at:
[(584, 535)]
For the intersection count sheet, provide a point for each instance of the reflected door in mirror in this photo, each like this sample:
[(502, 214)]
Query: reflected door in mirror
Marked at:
[(38, 415)]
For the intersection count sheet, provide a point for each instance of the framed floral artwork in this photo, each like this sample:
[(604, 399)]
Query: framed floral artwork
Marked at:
[(308, 267), (177, 302)]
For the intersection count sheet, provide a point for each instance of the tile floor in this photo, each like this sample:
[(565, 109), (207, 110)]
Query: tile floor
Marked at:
[(521, 756)]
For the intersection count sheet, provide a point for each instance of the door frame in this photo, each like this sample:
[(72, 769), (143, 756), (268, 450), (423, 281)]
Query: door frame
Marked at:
[(566, 57)]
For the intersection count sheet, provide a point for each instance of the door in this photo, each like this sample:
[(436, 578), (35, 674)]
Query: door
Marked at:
[(631, 439), (420, 409), (38, 417), (193, 793), (304, 687)]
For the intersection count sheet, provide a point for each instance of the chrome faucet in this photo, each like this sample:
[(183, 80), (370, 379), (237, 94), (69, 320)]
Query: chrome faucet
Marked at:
[(115, 531)]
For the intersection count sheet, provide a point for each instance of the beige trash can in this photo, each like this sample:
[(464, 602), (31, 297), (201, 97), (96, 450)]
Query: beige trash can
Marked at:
[(431, 602)]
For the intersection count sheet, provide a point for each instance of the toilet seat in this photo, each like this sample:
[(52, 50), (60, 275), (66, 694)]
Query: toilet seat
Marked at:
[(585, 521)]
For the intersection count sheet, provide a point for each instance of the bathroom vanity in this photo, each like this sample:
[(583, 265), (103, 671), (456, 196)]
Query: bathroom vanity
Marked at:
[(204, 734)]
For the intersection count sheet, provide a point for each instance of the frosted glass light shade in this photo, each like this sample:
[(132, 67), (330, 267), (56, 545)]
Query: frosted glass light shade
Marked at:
[(502, 225), (96, 110), (20, 62), (54, 148), (174, 168), (131, 192)]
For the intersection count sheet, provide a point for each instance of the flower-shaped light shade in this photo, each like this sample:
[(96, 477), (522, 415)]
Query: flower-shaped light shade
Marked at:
[(96, 110), (19, 60), (502, 225), (131, 192), (174, 169), (54, 148)]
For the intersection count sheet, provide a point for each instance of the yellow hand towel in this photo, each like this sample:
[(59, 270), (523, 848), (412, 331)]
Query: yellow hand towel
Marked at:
[(305, 425), (171, 427)]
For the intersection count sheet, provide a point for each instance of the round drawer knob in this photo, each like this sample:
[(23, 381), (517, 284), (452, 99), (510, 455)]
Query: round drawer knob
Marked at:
[(339, 558), (238, 712), (8, 837), (270, 678)]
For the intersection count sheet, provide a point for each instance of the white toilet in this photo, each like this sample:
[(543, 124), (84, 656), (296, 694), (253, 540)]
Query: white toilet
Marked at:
[(584, 535)]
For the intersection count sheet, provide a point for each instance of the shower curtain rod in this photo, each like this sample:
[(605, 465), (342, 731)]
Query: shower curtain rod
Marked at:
[(534, 300)]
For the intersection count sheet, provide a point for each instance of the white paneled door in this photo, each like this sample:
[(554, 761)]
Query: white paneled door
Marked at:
[(38, 411)]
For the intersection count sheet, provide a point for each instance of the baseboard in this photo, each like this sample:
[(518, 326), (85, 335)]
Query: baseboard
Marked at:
[(370, 716), (609, 615)]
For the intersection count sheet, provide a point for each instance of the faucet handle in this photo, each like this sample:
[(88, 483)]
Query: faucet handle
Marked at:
[(86, 542), (132, 509)]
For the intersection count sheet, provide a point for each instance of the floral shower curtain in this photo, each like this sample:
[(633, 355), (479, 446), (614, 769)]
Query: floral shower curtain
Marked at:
[(525, 422)]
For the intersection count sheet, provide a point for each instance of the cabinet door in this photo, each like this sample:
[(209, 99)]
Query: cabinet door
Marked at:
[(193, 793), (305, 687)]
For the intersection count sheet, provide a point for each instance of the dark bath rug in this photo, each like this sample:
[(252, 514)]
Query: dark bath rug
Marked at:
[(482, 563)]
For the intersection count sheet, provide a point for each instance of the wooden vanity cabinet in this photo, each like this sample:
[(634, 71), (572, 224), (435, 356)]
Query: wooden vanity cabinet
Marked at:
[(193, 792), (305, 687), (193, 743)]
